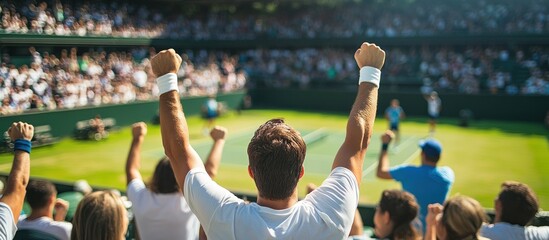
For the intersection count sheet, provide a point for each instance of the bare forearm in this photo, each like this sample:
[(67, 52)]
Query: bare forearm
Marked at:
[(17, 183), (214, 158), (175, 136), (359, 130), (133, 163), (383, 165), (368, 111), (430, 233)]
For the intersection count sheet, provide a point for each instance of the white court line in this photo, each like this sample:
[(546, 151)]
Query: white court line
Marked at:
[(398, 147), (207, 140), (307, 137)]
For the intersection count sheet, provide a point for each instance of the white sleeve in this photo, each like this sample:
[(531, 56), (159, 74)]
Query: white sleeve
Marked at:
[(135, 191), (337, 198), (205, 197), (7, 225)]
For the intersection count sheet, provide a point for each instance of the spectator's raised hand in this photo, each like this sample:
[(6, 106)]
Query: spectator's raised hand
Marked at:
[(61, 208), (21, 130), (218, 133), (139, 129), (433, 212), (166, 61), (387, 137), (370, 55)]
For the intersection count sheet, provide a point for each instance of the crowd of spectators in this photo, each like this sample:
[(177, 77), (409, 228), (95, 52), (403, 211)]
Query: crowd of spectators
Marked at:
[(370, 18), (469, 70), (97, 77), (70, 79)]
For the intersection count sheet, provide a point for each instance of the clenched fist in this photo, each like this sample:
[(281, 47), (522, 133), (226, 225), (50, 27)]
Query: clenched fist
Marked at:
[(218, 133), (433, 212), (387, 137), (370, 55), (21, 130), (139, 129), (166, 61)]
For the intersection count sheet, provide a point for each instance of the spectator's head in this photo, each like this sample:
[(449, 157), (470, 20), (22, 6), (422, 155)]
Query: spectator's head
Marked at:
[(395, 214), (461, 218), (395, 103), (163, 181), (276, 154), (430, 150), (100, 215), (41, 194), (516, 204)]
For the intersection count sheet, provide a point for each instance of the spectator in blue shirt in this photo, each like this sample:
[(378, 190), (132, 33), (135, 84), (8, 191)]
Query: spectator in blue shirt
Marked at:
[(427, 182)]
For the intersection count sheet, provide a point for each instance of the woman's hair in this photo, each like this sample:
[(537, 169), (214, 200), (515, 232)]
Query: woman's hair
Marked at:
[(403, 209), (462, 217), (163, 180), (100, 215)]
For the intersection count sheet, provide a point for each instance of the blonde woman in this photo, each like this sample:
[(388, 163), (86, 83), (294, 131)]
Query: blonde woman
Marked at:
[(459, 219), (100, 215)]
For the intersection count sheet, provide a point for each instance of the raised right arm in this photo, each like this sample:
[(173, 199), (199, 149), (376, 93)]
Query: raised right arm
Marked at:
[(14, 195), (173, 124), (133, 162), (369, 57)]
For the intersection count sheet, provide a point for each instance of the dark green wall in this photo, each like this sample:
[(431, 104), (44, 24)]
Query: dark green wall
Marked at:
[(497, 107), (63, 122), (13, 39)]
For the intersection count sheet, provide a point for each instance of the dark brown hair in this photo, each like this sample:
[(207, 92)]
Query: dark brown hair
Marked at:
[(403, 209), (39, 193), (519, 203), (163, 181), (276, 153)]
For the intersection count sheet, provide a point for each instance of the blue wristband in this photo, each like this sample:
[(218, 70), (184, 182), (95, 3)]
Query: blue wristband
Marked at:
[(22, 145), (384, 147)]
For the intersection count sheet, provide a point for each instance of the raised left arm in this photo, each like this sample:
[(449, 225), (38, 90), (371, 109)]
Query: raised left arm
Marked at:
[(383, 162), (218, 135)]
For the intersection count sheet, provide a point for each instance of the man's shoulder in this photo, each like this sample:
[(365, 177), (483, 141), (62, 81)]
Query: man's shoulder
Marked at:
[(446, 171)]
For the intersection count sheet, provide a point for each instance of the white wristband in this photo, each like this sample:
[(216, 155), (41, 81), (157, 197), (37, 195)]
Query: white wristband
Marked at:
[(370, 75), (167, 82)]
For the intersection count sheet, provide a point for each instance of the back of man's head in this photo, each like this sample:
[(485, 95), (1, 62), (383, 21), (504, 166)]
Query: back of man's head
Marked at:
[(163, 181), (431, 149), (39, 193), (276, 154), (519, 203)]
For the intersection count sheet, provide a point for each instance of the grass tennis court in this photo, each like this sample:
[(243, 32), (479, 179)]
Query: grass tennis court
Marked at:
[(482, 156)]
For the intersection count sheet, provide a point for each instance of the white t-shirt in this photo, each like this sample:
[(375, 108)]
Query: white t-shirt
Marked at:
[(325, 213), (161, 216), (433, 106), (61, 230), (7, 225), (506, 231)]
